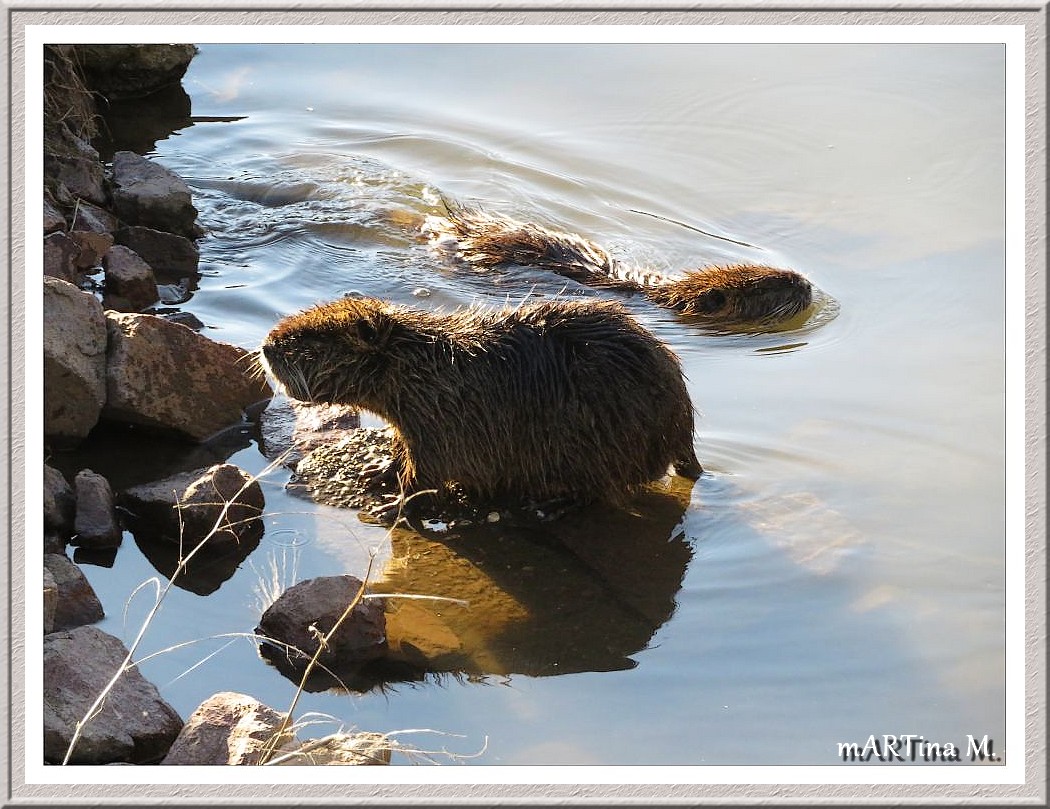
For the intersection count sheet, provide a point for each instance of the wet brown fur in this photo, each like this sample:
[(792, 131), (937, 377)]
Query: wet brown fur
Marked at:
[(552, 400), (734, 293)]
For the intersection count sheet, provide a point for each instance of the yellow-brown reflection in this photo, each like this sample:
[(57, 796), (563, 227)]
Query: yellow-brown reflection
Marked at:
[(581, 594)]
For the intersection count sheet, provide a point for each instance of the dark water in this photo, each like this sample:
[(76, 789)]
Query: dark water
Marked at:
[(839, 571)]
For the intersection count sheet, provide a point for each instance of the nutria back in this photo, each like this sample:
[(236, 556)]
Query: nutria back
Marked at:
[(547, 400), (722, 294)]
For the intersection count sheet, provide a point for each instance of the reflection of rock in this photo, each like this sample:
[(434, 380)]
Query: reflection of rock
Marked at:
[(134, 723), (584, 593), (137, 124), (805, 528), (311, 608), (219, 507)]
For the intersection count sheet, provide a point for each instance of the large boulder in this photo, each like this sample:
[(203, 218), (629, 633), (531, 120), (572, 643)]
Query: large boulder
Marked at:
[(134, 724), (165, 376), (74, 360), (132, 71), (145, 193)]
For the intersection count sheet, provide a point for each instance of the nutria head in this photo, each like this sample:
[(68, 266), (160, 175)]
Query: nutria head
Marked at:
[(331, 353), (737, 292)]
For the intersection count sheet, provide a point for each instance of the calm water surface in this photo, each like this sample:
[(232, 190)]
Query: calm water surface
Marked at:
[(839, 570)]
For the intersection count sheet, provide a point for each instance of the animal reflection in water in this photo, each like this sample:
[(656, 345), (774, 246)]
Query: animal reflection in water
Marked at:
[(584, 593)]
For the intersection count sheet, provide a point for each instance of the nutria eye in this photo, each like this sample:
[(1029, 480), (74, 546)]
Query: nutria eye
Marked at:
[(714, 300)]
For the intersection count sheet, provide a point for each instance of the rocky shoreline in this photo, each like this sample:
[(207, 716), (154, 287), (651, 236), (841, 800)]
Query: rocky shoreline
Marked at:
[(120, 254)]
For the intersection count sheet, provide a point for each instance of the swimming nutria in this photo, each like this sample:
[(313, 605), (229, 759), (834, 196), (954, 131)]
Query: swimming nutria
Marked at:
[(735, 293), (550, 401)]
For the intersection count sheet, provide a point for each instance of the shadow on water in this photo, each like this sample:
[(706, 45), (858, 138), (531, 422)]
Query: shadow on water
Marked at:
[(580, 594)]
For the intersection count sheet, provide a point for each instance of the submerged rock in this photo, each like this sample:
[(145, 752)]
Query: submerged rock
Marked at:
[(96, 525), (134, 724), (167, 377), (74, 360)]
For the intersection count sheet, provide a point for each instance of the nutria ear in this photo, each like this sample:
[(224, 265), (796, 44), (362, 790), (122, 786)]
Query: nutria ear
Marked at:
[(366, 332)]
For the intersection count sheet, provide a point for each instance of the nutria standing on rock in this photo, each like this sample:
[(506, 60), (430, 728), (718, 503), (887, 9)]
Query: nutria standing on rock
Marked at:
[(551, 401), (736, 293)]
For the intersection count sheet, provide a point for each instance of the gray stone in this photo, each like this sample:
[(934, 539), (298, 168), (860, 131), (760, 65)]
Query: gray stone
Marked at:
[(134, 724), (92, 230), (146, 193), (59, 502), (228, 728), (53, 219), (130, 278), (96, 521), (78, 169), (74, 360), (316, 604), (61, 253), (76, 603), (175, 257), (168, 377), (50, 601)]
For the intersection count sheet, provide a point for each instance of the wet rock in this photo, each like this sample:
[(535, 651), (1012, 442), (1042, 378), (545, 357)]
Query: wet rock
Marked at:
[(131, 71), (92, 230), (134, 724), (53, 219), (296, 428), (172, 256), (187, 319), (76, 603), (198, 498), (50, 601), (341, 473), (145, 193), (59, 502), (129, 280), (312, 607), (74, 360), (76, 166), (228, 728), (60, 256), (96, 521), (168, 377)]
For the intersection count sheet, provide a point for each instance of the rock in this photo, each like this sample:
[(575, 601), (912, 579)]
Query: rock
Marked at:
[(145, 193), (50, 601), (227, 728), (187, 319), (59, 502), (154, 520), (342, 749), (76, 603), (171, 256), (74, 360), (134, 724), (55, 542), (96, 522), (297, 427), (130, 278), (77, 167), (92, 230), (131, 71), (60, 256), (168, 377), (311, 607), (53, 219)]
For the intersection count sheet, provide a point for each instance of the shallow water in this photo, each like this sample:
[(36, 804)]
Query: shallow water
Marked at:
[(839, 570)]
